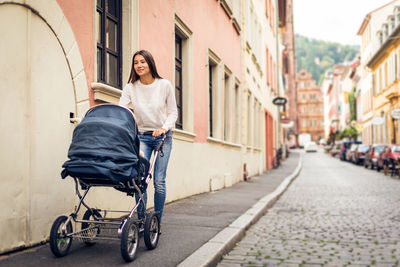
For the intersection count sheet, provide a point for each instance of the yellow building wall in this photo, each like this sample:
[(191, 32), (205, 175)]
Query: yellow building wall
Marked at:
[(386, 94)]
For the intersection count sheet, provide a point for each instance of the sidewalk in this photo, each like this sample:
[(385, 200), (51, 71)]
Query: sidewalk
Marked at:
[(196, 231)]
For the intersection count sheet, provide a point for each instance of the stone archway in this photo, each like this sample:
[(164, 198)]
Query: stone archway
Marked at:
[(42, 83)]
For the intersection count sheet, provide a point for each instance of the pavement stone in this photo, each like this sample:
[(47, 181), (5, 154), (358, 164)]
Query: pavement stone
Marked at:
[(333, 214)]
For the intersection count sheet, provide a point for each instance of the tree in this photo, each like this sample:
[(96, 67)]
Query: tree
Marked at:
[(350, 133), (327, 53)]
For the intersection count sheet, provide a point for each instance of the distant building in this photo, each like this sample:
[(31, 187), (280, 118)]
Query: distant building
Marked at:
[(310, 106)]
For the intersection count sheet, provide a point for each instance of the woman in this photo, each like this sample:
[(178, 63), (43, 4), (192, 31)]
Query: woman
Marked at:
[(155, 110)]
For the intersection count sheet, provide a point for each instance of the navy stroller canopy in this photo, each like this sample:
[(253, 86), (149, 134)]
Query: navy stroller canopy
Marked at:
[(104, 145)]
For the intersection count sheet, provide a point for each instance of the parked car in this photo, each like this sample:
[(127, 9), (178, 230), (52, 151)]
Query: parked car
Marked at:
[(389, 157), (310, 146), (358, 156), (350, 152), (345, 146), (371, 157)]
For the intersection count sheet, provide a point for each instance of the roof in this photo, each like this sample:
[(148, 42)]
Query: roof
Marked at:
[(368, 17)]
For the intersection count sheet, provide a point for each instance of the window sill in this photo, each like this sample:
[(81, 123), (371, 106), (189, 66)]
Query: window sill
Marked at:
[(232, 144), (184, 135), (106, 93), (254, 149), (214, 140)]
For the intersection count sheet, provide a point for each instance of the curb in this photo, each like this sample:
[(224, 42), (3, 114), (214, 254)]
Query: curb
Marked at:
[(211, 252)]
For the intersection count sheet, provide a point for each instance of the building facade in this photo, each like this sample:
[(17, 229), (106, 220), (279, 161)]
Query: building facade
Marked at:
[(289, 73), (64, 56), (384, 66), (310, 106), (370, 33)]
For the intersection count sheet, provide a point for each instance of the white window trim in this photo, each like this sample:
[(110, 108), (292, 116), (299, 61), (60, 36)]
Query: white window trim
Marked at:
[(187, 75), (228, 105), (216, 95)]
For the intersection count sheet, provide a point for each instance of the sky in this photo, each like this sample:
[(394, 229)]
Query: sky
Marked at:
[(332, 20)]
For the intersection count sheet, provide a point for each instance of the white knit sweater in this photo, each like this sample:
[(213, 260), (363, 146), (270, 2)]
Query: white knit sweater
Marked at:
[(154, 105)]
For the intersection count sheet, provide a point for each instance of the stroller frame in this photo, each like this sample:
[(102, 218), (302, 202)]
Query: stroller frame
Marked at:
[(93, 224)]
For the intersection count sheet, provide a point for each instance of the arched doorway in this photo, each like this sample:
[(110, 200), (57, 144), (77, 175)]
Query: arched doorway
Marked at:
[(37, 95)]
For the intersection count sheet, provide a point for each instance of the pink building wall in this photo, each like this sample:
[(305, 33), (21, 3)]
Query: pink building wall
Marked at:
[(211, 28), (80, 17)]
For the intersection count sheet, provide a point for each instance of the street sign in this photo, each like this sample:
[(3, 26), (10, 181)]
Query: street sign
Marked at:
[(377, 120), (279, 101), (395, 113), (288, 125)]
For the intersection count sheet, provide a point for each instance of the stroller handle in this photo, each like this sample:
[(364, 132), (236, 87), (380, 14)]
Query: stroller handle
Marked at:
[(161, 143)]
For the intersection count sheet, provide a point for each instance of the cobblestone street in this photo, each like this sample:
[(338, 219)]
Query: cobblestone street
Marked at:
[(334, 214)]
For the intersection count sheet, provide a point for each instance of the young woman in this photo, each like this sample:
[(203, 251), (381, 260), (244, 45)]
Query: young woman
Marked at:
[(154, 106)]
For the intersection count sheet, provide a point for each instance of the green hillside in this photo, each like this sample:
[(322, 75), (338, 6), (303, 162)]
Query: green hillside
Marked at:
[(318, 56)]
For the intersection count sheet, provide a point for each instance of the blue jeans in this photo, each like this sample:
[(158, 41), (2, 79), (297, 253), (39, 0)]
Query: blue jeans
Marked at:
[(148, 144)]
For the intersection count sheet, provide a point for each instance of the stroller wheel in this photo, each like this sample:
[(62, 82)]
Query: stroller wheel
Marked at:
[(59, 242), (129, 240), (92, 230), (151, 230)]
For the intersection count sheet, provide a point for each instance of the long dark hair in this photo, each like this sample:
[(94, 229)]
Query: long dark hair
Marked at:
[(133, 77)]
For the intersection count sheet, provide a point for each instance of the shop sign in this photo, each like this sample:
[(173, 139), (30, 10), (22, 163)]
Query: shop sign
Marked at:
[(395, 113), (377, 121), (279, 101)]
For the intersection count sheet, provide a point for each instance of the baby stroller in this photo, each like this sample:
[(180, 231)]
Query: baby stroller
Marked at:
[(105, 152)]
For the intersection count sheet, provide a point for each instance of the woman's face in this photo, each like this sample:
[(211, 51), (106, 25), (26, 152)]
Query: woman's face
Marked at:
[(141, 66)]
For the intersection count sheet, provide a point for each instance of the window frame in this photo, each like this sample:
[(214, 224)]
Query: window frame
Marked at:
[(179, 69), (102, 69)]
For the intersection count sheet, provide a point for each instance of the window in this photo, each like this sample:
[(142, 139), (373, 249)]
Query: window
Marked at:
[(386, 30), (211, 74), (178, 79), (304, 123), (108, 39), (380, 37), (395, 66), (227, 106), (267, 67), (384, 76), (236, 112), (255, 123), (304, 109), (183, 76), (377, 82), (304, 96), (398, 16), (392, 23), (249, 120)]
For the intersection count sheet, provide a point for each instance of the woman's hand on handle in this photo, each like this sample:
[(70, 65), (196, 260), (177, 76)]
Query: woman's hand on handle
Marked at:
[(159, 132)]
